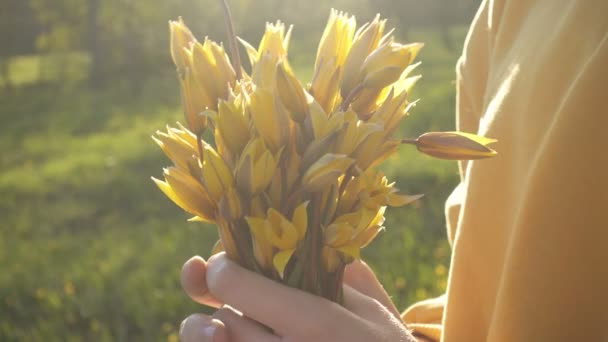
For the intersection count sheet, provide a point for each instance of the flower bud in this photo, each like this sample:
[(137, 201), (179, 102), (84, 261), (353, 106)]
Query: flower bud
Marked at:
[(366, 40), (269, 118), (256, 168), (194, 101), (325, 171), (386, 64), (217, 177), (291, 92), (232, 125), (333, 48), (181, 39), (187, 193), (176, 147), (455, 145)]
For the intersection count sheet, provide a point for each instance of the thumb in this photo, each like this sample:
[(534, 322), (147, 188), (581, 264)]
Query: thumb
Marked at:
[(194, 282), (361, 277)]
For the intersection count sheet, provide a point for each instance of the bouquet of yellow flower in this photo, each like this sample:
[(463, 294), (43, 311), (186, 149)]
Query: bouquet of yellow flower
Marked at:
[(289, 173)]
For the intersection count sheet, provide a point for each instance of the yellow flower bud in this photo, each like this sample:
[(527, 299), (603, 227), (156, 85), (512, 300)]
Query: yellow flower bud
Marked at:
[(256, 167), (215, 81), (348, 234), (187, 193), (176, 147), (337, 37), (385, 65), (455, 145), (356, 132), (217, 177), (325, 171), (374, 149), (181, 39), (276, 237), (392, 111), (275, 40), (292, 94), (269, 118), (366, 40), (233, 125), (230, 205), (263, 251), (194, 102), (333, 48)]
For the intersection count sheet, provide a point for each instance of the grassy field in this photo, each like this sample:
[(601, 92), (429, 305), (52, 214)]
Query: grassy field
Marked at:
[(90, 250)]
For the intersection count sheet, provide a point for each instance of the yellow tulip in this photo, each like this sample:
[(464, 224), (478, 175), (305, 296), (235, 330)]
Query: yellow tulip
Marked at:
[(214, 81), (272, 50), (344, 238), (269, 118), (385, 65), (333, 48), (181, 39), (194, 101), (179, 149), (232, 124), (374, 149), (256, 167), (187, 193), (291, 93), (217, 177), (366, 40), (455, 145), (275, 40), (356, 131), (278, 237), (325, 171), (230, 206), (263, 251)]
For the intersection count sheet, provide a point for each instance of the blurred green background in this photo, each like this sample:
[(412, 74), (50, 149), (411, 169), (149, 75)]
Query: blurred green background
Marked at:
[(90, 249)]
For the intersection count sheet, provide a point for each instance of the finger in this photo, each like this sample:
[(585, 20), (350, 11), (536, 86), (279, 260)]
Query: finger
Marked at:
[(202, 328), (194, 282), (372, 311), (241, 329), (361, 277), (276, 306)]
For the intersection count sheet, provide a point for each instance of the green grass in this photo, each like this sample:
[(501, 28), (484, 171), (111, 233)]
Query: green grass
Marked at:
[(32, 69), (91, 250)]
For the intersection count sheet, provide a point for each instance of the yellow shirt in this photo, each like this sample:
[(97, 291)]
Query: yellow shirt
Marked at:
[(529, 228)]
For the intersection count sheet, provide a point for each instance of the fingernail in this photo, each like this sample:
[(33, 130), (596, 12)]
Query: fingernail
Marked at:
[(198, 328)]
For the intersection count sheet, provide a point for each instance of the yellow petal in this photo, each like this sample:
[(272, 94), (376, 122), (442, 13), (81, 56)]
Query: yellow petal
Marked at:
[(366, 40), (181, 38), (351, 250), (262, 250), (325, 171), (233, 126), (269, 119), (187, 193), (291, 93), (281, 259), (216, 174), (338, 234)]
